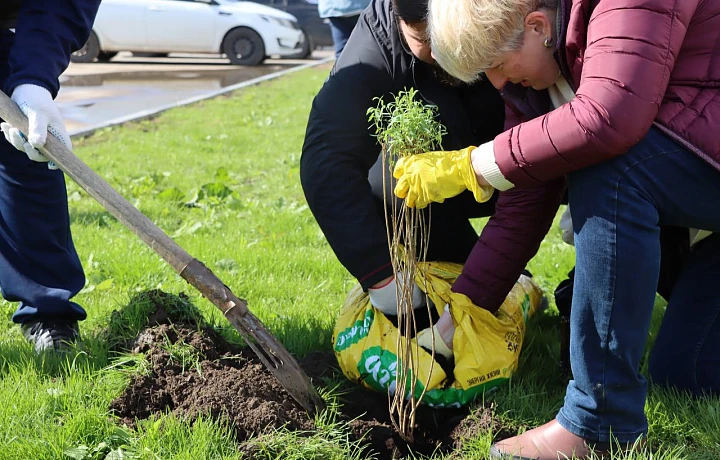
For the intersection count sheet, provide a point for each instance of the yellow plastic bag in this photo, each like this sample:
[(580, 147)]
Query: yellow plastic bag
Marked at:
[(485, 346)]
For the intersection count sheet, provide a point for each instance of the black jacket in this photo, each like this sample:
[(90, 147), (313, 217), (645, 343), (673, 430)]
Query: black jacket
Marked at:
[(46, 33)]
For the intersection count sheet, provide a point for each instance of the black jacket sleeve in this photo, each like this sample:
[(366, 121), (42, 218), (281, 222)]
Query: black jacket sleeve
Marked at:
[(339, 150), (47, 32)]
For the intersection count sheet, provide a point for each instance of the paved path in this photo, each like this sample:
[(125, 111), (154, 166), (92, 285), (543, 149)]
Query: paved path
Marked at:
[(98, 94)]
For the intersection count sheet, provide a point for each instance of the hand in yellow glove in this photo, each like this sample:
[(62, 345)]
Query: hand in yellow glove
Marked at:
[(436, 176), (440, 336)]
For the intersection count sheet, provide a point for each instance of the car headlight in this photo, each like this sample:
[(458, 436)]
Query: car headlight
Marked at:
[(290, 24)]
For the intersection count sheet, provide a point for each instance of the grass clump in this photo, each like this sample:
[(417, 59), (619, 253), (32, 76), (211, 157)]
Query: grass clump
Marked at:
[(183, 354), (329, 441)]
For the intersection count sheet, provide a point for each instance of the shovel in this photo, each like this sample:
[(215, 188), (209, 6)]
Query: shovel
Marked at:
[(271, 352)]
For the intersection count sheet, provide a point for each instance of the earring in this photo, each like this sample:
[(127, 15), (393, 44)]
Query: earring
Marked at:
[(548, 42)]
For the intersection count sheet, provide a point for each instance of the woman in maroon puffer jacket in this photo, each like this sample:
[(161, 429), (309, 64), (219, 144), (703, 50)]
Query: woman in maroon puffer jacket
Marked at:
[(623, 98)]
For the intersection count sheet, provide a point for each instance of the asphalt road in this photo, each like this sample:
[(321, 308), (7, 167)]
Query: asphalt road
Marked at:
[(98, 93)]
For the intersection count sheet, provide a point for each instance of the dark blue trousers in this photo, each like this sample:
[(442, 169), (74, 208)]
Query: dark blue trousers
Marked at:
[(38, 264)]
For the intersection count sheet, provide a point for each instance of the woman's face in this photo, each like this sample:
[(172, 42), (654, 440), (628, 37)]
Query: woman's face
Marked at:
[(533, 64), (415, 36)]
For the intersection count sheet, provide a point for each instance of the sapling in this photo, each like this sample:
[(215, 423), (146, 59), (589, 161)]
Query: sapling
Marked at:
[(405, 126)]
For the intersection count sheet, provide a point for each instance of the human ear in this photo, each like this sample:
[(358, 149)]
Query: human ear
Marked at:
[(538, 24)]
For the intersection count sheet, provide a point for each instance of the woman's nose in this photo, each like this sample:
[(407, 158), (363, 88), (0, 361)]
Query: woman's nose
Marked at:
[(497, 79)]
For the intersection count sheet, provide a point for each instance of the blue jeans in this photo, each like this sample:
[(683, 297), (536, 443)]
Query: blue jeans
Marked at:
[(341, 28), (38, 264), (617, 208)]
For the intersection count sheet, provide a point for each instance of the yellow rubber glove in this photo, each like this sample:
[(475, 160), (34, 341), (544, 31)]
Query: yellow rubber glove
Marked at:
[(435, 176)]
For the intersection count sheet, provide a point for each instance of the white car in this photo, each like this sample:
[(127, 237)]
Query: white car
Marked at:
[(245, 32)]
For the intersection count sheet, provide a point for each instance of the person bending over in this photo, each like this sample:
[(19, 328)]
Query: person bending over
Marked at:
[(341, 167)]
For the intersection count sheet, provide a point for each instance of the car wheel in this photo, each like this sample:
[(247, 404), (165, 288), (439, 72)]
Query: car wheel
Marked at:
[(308, 46), (88, 52), (105, 56), (244, 46)]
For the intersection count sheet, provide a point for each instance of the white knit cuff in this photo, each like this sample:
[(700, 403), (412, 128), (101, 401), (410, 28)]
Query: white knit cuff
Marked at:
[(483, 162), (385, 298)]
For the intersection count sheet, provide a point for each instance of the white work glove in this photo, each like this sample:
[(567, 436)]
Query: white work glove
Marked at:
[(384, 298), (441, 334), (566, 226), (43, 115)]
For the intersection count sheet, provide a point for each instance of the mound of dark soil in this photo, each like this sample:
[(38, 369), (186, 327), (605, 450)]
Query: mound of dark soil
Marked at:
[(195, 372)]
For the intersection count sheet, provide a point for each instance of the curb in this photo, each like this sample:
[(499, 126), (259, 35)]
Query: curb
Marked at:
[(146, 114)]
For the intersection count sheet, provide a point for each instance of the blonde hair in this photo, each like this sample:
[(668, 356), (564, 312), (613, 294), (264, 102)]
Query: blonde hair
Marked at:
[(468, 35)]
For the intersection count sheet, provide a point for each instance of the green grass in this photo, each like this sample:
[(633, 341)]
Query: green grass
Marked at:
[(221, 177)]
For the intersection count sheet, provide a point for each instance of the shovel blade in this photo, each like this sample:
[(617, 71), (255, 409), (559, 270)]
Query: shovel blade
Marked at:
[(277, 360)]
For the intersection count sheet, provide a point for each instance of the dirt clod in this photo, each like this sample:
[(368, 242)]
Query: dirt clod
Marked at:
[(193, 371)]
